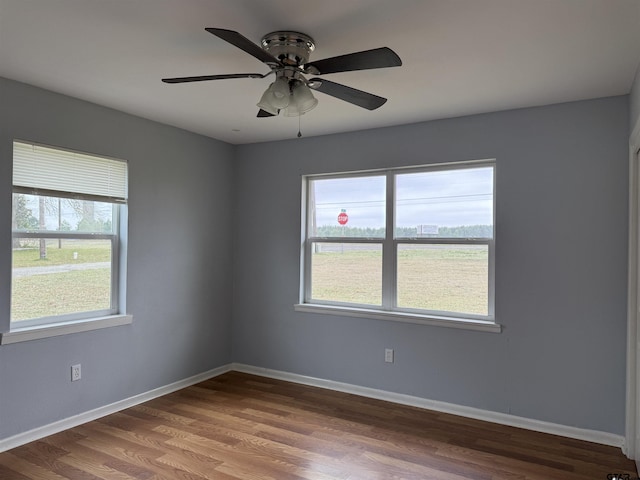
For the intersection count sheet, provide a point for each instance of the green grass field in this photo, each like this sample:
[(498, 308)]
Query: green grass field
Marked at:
[(30, 257), (60, 293), (430, 277), (39, 291)]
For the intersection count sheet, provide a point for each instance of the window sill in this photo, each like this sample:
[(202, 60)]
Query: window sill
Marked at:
[(26, 334), (449, 322)]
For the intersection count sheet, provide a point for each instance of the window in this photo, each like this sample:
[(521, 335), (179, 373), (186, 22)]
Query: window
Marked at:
[(67, 246), (414, 244)]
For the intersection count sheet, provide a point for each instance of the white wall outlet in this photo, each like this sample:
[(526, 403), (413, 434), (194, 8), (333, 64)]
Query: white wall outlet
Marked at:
[(76, 373), (388, 355)]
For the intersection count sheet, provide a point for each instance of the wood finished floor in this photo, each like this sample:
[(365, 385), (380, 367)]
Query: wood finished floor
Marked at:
[(239, 426)]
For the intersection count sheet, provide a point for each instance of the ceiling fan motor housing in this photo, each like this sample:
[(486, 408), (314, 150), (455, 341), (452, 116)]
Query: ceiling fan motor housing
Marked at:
[(291, 48)]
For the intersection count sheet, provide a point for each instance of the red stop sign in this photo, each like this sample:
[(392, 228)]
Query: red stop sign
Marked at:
[(343, 218)]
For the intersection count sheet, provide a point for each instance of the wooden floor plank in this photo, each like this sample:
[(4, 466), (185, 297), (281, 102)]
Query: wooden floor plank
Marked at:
[(244, 427)]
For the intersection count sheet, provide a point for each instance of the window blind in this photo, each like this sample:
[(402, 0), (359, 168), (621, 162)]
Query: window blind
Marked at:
[(49, 171)]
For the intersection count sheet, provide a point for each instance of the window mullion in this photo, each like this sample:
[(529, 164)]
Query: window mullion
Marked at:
[(389, 249), (55, 234)]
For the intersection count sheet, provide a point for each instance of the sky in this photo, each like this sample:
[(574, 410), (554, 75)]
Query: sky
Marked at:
[(450, 198)]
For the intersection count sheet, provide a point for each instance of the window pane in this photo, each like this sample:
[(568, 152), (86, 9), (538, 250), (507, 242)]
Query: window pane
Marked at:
[(347, 207), (347, 272), (445, 203), (447, 278), (40, 213), (59, 277)]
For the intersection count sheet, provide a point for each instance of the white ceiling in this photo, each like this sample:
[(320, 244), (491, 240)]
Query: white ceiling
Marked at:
[(460, 57)]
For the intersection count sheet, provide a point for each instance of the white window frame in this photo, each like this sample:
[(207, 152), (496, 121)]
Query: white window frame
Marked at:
[(42, 327), (389, 309)]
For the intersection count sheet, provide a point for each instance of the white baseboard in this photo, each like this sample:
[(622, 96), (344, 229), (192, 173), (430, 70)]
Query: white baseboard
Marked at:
[(64, 424), (470, 412), (595, 436)]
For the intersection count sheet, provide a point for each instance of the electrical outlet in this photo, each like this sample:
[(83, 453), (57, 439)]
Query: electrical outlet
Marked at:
[(76, 373), (388, 355)]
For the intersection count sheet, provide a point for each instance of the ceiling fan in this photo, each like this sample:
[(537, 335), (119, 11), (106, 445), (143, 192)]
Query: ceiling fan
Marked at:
[(287, 55)]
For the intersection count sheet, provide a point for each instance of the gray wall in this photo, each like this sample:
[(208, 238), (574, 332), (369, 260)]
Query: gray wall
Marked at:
[(179, 267), (560, 268), (561, 264)]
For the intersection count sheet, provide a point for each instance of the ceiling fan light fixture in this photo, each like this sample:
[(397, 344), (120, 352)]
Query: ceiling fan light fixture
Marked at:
[(280, 89), (302, 100), (265, 102), (276, 97)]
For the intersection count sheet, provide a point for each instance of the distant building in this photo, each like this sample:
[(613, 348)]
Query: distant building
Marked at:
[(427, 230)]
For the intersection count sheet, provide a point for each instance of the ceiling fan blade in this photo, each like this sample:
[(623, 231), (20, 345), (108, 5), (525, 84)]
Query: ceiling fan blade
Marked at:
[(348, 94), (377, 58), (243, 43), (203, 78), (264, 114)]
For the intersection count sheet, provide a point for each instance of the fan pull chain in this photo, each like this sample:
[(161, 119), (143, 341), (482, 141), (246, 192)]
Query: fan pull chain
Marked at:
[(299, 132)]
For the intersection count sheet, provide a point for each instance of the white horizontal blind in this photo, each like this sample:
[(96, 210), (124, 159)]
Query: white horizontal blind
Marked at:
[(41, 170)]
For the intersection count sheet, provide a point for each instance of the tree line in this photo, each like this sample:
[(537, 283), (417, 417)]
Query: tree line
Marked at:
[(24, 218), (48, 207), (462, 231)]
